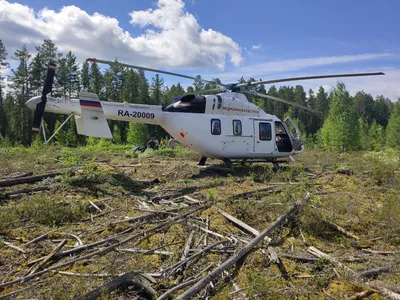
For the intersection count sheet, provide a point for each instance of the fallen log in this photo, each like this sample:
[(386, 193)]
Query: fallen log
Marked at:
[(135, 279), (374, 272), (342, 230), (318, 253), (18, 193), (29, 179), (299, 258), (18, 176), (283, 219), (276, 260), (385, 292), (178, 287)]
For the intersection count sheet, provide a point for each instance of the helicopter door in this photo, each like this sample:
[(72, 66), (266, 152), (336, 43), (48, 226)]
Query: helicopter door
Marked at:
[(295, 135), (263, 139)]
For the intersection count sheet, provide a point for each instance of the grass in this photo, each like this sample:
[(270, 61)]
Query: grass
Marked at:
[(365, 203)]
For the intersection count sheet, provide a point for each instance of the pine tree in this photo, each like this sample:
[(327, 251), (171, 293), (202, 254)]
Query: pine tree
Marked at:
[(96, 81), (21, 117), (393, 127), (340, 130), (3, 66), (156, 89), (85, 79)]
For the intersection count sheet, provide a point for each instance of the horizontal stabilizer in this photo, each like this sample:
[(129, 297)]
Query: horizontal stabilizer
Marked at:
[(92, 121)]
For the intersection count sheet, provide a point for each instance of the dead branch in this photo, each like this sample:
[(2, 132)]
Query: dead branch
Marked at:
[(154, 275), (342, 230), (275, 259), (374, 272), (174, 267), (128, 279), (252, 192), (14, 247), (48, 257), (299, 258), (40, 237), (105, 249), (241, 225), (29, 179), (18, 193), (146, 252), (379, 252), (18, 176), (186, 251), (283, 219), (318, 253), (192, 200), (385, 291), (85, 247), (95, 206), (361, 295), (134, 219), (178, 287)]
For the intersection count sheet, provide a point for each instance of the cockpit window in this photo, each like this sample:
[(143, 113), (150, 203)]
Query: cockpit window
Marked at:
[(188, 104)]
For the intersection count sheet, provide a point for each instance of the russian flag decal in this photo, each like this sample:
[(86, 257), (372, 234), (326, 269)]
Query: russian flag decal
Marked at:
[(89, 103)]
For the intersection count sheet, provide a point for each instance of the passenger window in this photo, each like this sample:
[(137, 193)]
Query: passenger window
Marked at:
[(265, 132), (237, 127), (215, 126)]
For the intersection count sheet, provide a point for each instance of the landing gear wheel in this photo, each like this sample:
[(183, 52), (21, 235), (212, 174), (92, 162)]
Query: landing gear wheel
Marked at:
[(275, 167), (228, 163), (202, 161)]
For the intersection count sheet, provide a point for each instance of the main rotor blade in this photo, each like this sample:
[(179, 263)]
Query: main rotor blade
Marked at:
[(146, 69), (316, 77), (281, 100)]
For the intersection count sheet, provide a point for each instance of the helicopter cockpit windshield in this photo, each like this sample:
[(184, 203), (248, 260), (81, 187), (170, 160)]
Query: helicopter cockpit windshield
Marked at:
[(188, 104)]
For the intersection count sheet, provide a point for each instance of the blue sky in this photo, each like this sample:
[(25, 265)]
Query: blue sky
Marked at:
[(263, 39)]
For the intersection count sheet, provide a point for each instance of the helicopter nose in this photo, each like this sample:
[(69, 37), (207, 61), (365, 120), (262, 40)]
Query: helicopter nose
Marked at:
[(31, 103)]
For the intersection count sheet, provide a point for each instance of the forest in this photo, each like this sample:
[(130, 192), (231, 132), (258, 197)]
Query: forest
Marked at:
[(345, 122)]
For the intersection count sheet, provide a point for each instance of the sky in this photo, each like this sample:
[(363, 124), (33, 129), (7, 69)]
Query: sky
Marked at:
[(220, 38)]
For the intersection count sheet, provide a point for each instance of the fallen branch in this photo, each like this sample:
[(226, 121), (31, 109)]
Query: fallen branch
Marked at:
[(14, 247), (283, 219), (318, 253), (18, 176), (154, 275), (385, 291), (178, 287), (299, 258), (18, 193), (128, 279), (40, 237), (241, 225), (374, 272), (48, 257), (379, 252), (342, 230), (361, 295), (250, 193), (134, 219), (276, 260), (30, 179), (146, 252)]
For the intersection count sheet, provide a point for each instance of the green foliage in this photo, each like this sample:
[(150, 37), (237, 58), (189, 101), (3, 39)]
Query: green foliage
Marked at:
[(365, 141), (389, 217), (68, 158), (117, 135), (138, 134), (393, 128), (376, 136), (341, 131)]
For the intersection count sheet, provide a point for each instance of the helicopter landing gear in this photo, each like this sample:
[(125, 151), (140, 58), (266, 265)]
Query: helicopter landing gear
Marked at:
[(228, 163), (202, 161), (275, 167)]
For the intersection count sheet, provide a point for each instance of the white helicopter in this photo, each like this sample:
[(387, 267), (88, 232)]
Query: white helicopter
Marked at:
[(224, 126)]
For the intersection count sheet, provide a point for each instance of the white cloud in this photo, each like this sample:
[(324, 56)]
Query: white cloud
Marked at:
[(174, 40), (256, 47)]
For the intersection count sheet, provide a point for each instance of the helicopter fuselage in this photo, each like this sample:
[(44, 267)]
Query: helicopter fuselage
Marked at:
[(223, 126)]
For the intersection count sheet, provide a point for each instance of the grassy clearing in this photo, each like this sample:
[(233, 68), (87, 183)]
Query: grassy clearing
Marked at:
[(365, 203)]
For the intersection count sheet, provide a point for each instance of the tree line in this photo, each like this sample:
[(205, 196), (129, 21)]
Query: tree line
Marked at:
[(344, 122)]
